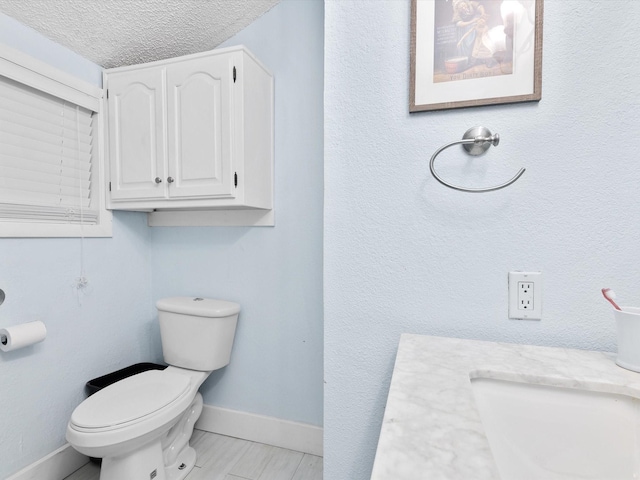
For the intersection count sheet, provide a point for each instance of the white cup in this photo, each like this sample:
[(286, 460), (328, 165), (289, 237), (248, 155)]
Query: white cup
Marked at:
[(628, 333)]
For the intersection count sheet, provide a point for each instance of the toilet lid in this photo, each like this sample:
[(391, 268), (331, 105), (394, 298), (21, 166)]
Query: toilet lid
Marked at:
[(130, 399)]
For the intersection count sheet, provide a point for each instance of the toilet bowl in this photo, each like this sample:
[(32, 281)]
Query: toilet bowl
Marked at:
[(140, 426)]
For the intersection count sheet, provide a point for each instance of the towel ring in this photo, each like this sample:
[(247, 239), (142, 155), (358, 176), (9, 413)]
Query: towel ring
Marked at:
[(475, 141)]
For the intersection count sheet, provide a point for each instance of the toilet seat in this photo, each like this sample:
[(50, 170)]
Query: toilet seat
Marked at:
[(130, 401)]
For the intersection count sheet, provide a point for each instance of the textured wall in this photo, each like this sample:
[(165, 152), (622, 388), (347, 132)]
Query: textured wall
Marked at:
[(274, 273), (108, 327), (405, 254)]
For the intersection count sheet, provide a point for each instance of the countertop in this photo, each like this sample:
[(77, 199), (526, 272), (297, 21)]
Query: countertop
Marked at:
[(431, 427)]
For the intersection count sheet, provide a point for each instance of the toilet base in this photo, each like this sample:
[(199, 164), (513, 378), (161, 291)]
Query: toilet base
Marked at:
[(145, 462), (150, 461), (185, 463)]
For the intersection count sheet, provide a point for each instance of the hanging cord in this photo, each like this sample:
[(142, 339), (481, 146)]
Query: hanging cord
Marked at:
[(82, 282), (82, 276)]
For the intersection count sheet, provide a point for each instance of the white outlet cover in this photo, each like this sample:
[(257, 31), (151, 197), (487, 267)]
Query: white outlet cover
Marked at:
[(530, 277)]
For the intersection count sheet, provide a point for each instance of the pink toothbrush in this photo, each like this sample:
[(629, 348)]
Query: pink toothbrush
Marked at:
[(610, 295)]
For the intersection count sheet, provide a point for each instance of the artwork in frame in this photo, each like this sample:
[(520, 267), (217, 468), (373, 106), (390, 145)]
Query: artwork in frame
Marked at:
[(467, 53)]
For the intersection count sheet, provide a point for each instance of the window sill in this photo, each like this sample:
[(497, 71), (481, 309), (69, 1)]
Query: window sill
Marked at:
[(35, 230)]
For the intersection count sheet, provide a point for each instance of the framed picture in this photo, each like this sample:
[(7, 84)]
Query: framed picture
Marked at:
[(467, 53)]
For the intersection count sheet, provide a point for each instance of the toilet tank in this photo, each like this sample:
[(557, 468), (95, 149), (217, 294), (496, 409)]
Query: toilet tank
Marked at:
[(197, 333)]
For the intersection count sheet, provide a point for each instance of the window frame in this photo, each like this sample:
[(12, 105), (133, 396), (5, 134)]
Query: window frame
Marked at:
[(34, 73)]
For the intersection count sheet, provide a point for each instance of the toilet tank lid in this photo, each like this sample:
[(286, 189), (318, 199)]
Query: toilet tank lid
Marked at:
[(200, 307)]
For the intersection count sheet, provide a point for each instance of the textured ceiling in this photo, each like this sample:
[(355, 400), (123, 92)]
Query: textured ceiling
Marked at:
[(113, 33)]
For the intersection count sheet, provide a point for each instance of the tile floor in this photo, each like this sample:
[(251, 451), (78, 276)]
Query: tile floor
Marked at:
[(226, 458)]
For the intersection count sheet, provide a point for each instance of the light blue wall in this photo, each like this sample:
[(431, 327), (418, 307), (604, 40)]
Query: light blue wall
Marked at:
[(405, 254), (274, 273), (108, 327), (27, 40)]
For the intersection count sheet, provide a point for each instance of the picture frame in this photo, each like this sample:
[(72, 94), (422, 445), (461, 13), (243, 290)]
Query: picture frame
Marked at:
[(468, 53)]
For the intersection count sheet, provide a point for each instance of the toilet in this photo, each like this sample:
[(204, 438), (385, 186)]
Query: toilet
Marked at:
[(140, 426)]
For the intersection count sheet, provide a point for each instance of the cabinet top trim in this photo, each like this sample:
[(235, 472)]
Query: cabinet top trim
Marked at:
[(172, 61)]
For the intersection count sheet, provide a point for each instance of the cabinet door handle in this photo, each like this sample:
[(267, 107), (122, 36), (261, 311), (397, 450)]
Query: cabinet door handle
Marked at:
[(170, 180), (158, 180)]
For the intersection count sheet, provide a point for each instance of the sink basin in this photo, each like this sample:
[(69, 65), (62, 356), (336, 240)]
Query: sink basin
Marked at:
[(556, 433)]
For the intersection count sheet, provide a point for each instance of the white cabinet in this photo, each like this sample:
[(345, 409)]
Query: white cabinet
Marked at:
[(199, 128), (136, 118), (191, 133)]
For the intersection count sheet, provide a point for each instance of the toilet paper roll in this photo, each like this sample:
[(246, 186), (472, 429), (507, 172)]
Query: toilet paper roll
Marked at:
[(23, 335)]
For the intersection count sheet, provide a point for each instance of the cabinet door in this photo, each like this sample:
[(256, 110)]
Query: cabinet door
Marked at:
[(136, 134), (199, 113)]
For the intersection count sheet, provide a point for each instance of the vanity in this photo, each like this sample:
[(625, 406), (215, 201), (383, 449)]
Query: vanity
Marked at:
[(463, 409)]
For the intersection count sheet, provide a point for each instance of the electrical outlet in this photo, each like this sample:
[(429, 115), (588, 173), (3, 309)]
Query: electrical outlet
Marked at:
[(525, 295)]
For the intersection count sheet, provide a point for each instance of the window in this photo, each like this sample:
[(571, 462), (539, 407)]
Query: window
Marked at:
[(50, 159)]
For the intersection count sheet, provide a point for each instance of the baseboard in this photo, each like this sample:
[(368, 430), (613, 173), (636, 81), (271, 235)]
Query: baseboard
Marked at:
[(301, 437), (55, 466)]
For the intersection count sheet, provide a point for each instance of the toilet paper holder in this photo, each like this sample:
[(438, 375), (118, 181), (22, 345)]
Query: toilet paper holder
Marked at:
[(22, 335), (3, 338)]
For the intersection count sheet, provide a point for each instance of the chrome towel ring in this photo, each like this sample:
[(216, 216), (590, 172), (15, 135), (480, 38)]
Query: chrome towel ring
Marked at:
[(475, 141)]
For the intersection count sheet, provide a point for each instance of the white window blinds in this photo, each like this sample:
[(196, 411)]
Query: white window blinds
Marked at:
[(46, 158)]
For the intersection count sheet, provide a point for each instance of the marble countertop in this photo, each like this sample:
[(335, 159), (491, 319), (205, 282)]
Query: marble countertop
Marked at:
[(431, 427)]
